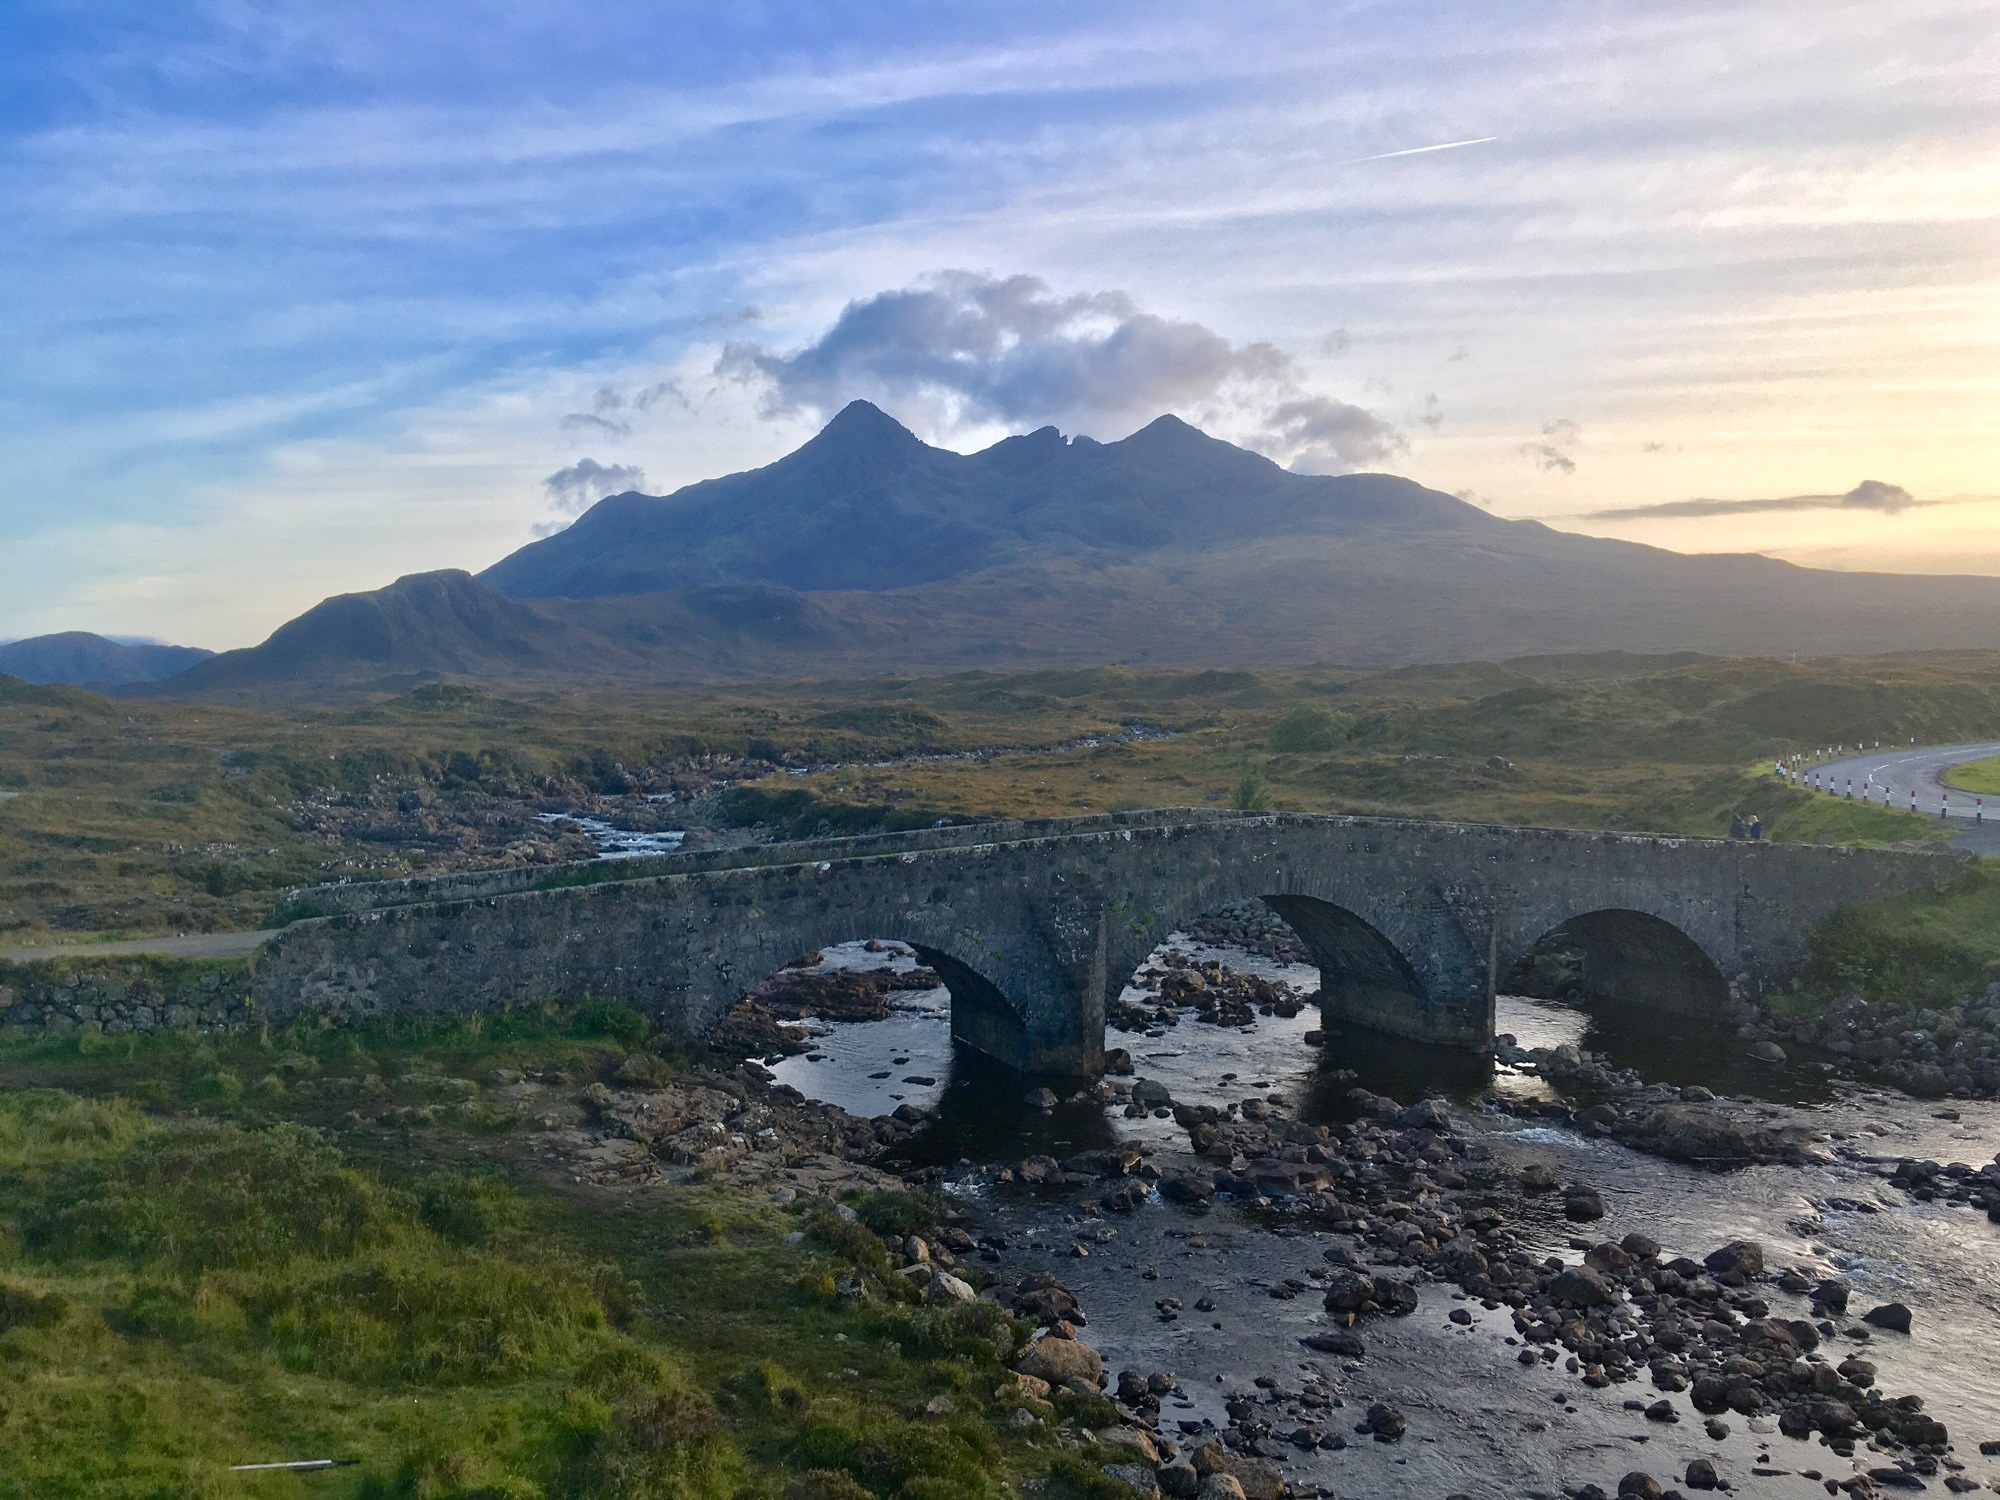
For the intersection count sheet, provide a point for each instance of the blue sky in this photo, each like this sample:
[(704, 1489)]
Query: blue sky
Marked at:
[(296, 298)]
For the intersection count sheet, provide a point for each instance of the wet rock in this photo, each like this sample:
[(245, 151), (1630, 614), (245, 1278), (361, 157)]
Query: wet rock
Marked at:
[(1343, 1342), (1893, 1316), (1187, 1187), (1385, 1422), (1583, 1205), (1427, 1114), (1638, 1485), (1766, 1052), (1042, 1099), (1151, 1094), (1537, 1178), (1831, 1294), (1738, 1257), (1582, 1286), (1701, 1475)]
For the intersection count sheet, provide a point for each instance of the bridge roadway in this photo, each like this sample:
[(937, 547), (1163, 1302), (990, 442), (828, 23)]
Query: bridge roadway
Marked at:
[(1034, 926)]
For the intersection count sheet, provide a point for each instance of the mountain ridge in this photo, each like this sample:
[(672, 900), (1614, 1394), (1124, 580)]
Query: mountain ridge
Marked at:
[(81, 658), (867, 551)]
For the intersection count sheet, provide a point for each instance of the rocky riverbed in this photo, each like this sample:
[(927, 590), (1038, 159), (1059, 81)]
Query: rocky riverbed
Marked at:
[(1560, 1273)]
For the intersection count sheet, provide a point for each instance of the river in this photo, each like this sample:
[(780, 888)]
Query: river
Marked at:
[(1479, 1424)]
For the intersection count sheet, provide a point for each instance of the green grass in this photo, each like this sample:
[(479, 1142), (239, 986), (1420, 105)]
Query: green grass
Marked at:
[(137, 817), (1979, 776), (194, 1276), (1919, 950)]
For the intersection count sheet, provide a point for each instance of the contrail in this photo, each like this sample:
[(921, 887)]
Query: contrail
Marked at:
[(1420, 150)]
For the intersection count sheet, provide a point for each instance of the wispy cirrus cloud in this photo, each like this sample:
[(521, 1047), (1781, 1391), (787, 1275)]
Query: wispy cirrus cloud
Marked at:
[(1869, 495)]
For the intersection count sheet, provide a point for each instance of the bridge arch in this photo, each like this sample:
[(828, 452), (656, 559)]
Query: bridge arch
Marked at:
[(1622, 956), (982, 1017)]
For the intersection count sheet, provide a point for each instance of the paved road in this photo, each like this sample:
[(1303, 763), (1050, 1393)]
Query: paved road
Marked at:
[(1904, 769), (197, 945)]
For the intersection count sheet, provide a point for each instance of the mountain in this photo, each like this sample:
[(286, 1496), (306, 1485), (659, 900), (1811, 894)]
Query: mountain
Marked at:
[(420, 626), (865, 505), (85, 660), (868, 551)]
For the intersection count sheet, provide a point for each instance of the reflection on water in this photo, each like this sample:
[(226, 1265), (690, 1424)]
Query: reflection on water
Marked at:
[(1831, 1216), (984, 1115)]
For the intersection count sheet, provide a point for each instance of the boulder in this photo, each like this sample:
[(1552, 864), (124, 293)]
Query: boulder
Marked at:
[(1059, 1361), (1583, 1205), (1385, 1422), (1741, 1257), (1178, 1480), (1220, 1487), (1582, 1286), (1134, 1440), (1893, 1316), (1139, 1476), (1426, 1114)]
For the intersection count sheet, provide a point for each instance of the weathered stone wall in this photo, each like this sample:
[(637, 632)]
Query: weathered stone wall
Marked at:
[(1035, 924), (116, 996)]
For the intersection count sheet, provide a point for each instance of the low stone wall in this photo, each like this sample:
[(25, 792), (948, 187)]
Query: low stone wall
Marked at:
[(119, 996)]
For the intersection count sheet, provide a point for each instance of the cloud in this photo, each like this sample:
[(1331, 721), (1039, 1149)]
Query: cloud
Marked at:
[(968, 349), (1551, 454), (1319, 435), (575, 489), (602, 417), (1870, 494)]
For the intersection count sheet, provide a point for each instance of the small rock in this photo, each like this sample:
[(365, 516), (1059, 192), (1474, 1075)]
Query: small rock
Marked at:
[(1638, 1485), (1701, 1475)]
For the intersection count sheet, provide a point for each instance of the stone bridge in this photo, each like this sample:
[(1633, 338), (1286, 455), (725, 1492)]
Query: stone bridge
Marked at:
[(1035, 925)]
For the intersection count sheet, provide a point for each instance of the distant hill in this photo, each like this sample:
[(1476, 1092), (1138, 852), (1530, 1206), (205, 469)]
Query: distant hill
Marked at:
[(84, 660), (869, 552), (420, 626)]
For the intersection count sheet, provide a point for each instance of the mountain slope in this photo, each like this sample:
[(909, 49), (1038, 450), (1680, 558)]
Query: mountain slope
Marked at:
[(421, 625), (82, 659), (865, 505), (866, 551)]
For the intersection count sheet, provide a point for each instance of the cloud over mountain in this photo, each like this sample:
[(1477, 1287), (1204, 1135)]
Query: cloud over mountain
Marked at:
[(967, 348), (573, 490)]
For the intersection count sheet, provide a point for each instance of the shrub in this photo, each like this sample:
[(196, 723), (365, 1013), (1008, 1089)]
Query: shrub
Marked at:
[(1310, 727), (1253, 794), (900, 1211)]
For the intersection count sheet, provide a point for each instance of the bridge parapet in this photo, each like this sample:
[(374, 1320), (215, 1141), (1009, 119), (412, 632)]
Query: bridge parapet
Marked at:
[(1036, 924)]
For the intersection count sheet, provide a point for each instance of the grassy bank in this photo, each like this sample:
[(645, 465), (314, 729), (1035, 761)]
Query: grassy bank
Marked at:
[(209, 1255), (1978, 776), (1919, 950)]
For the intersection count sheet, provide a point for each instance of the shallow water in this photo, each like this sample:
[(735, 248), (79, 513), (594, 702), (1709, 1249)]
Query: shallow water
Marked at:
[(619, 843), (1474, 1412)]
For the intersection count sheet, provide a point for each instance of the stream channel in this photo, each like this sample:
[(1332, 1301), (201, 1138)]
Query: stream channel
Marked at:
[(1479, 1423)]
